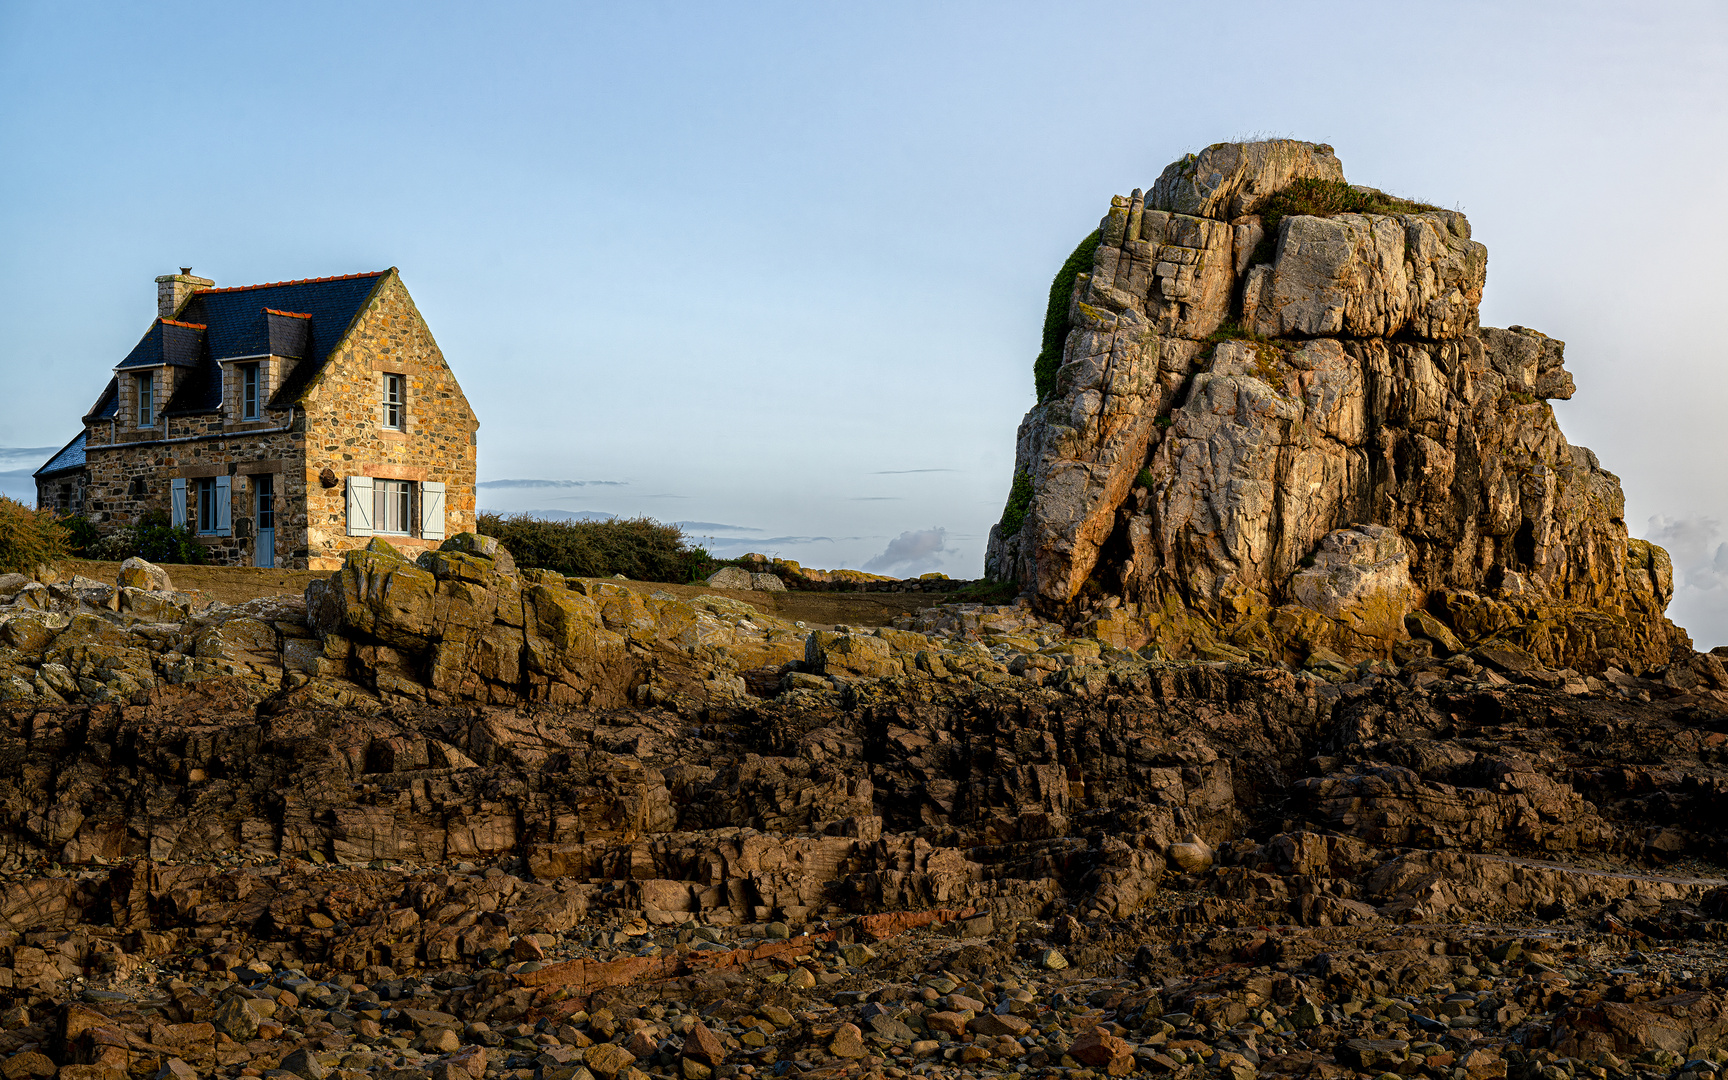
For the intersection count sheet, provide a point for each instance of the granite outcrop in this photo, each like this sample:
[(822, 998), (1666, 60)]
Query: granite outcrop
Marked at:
[(1252, 377)]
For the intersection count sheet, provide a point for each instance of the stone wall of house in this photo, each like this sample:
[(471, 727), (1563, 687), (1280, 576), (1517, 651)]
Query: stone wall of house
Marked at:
[(345, 419), (111, 504), (120, 454), (62, 493)]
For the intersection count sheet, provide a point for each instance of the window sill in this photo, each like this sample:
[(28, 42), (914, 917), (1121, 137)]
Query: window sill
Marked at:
[(392, 434)]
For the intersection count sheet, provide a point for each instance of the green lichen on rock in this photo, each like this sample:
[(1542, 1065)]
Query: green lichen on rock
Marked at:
[(1056, 318), (1019, 501)]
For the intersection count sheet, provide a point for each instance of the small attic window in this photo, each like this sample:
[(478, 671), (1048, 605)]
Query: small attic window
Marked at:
[(248, 391), (146, 384), (395, 402)]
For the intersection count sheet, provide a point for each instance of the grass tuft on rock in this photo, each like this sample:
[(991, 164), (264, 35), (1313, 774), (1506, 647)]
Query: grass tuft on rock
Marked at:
[(1056, 314), (1324, 198), (1019, 502)]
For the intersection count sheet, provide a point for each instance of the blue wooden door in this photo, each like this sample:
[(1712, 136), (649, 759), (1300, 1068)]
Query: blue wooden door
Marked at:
[(264, 550)]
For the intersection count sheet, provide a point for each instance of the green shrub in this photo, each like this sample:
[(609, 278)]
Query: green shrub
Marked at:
[(641, 549), (159, 542), (986, 591), (1056, 315), (1324, 198), (117, 546), (1143, 478), (81, 536), (1019, 502), (28, 537)]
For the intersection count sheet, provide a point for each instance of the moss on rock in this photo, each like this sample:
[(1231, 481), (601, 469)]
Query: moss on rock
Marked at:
[(1056, 315)]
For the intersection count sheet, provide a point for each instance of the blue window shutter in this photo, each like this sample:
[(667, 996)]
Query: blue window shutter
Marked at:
[(431, 511), (224, 505), (359, 506), (179, 502)]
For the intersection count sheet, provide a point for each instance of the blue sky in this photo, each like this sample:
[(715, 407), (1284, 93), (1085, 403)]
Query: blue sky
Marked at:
[(780, 268)]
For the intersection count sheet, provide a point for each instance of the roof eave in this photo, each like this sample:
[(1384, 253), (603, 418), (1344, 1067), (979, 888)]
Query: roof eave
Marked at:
[(42, 474)]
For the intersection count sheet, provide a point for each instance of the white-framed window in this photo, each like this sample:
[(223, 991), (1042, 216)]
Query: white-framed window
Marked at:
[(248, 391), (391, 503), (146, 386), (380, 507), (396, 402)]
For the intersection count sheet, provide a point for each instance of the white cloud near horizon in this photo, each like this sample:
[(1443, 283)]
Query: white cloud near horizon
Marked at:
[(911, 553), (1699, 553)]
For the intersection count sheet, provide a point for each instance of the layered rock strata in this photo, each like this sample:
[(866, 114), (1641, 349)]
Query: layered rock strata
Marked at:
[(1232, 402), (234, 843)]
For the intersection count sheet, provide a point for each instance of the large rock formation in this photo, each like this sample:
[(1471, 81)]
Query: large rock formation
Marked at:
[(1248, 390)]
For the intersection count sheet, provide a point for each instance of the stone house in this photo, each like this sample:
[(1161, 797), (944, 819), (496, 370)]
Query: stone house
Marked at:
[(283, 423)]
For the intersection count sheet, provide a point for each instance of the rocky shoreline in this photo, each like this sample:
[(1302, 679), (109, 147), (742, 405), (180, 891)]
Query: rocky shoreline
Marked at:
[(264, 840)]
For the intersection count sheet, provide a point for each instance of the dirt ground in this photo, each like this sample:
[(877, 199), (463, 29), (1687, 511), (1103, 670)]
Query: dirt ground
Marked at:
[(224, 584), (819, 609), (237, 584)]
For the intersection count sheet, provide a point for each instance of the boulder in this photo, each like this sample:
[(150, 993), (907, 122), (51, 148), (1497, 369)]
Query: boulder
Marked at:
[(1101, 1050), (1362, 575), (1191, 856), (136, 573), (855, 655), (729, 577), (1231, 180), (767, 583)]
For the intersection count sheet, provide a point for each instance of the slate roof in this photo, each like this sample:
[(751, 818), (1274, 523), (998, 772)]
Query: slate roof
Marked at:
[(168, 341), (108, 404), (70, 457), (303, 319)]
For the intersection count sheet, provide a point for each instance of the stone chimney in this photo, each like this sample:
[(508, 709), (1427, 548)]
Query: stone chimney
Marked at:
[(173, 289)]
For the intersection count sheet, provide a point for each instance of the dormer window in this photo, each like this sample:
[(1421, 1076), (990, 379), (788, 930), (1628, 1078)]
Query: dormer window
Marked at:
[(146, 384), (396, 402), (248, 391)]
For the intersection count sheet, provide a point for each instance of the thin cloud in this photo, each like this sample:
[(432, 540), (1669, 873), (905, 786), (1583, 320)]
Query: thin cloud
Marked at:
[(18, 465), (908, 472), (554, 515), (551, 483), (875, 498), (713, 525)]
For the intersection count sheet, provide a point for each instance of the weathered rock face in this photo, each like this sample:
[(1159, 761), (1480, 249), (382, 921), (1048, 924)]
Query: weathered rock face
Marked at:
[(1218, 419), (228, 843), (463, 624)]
